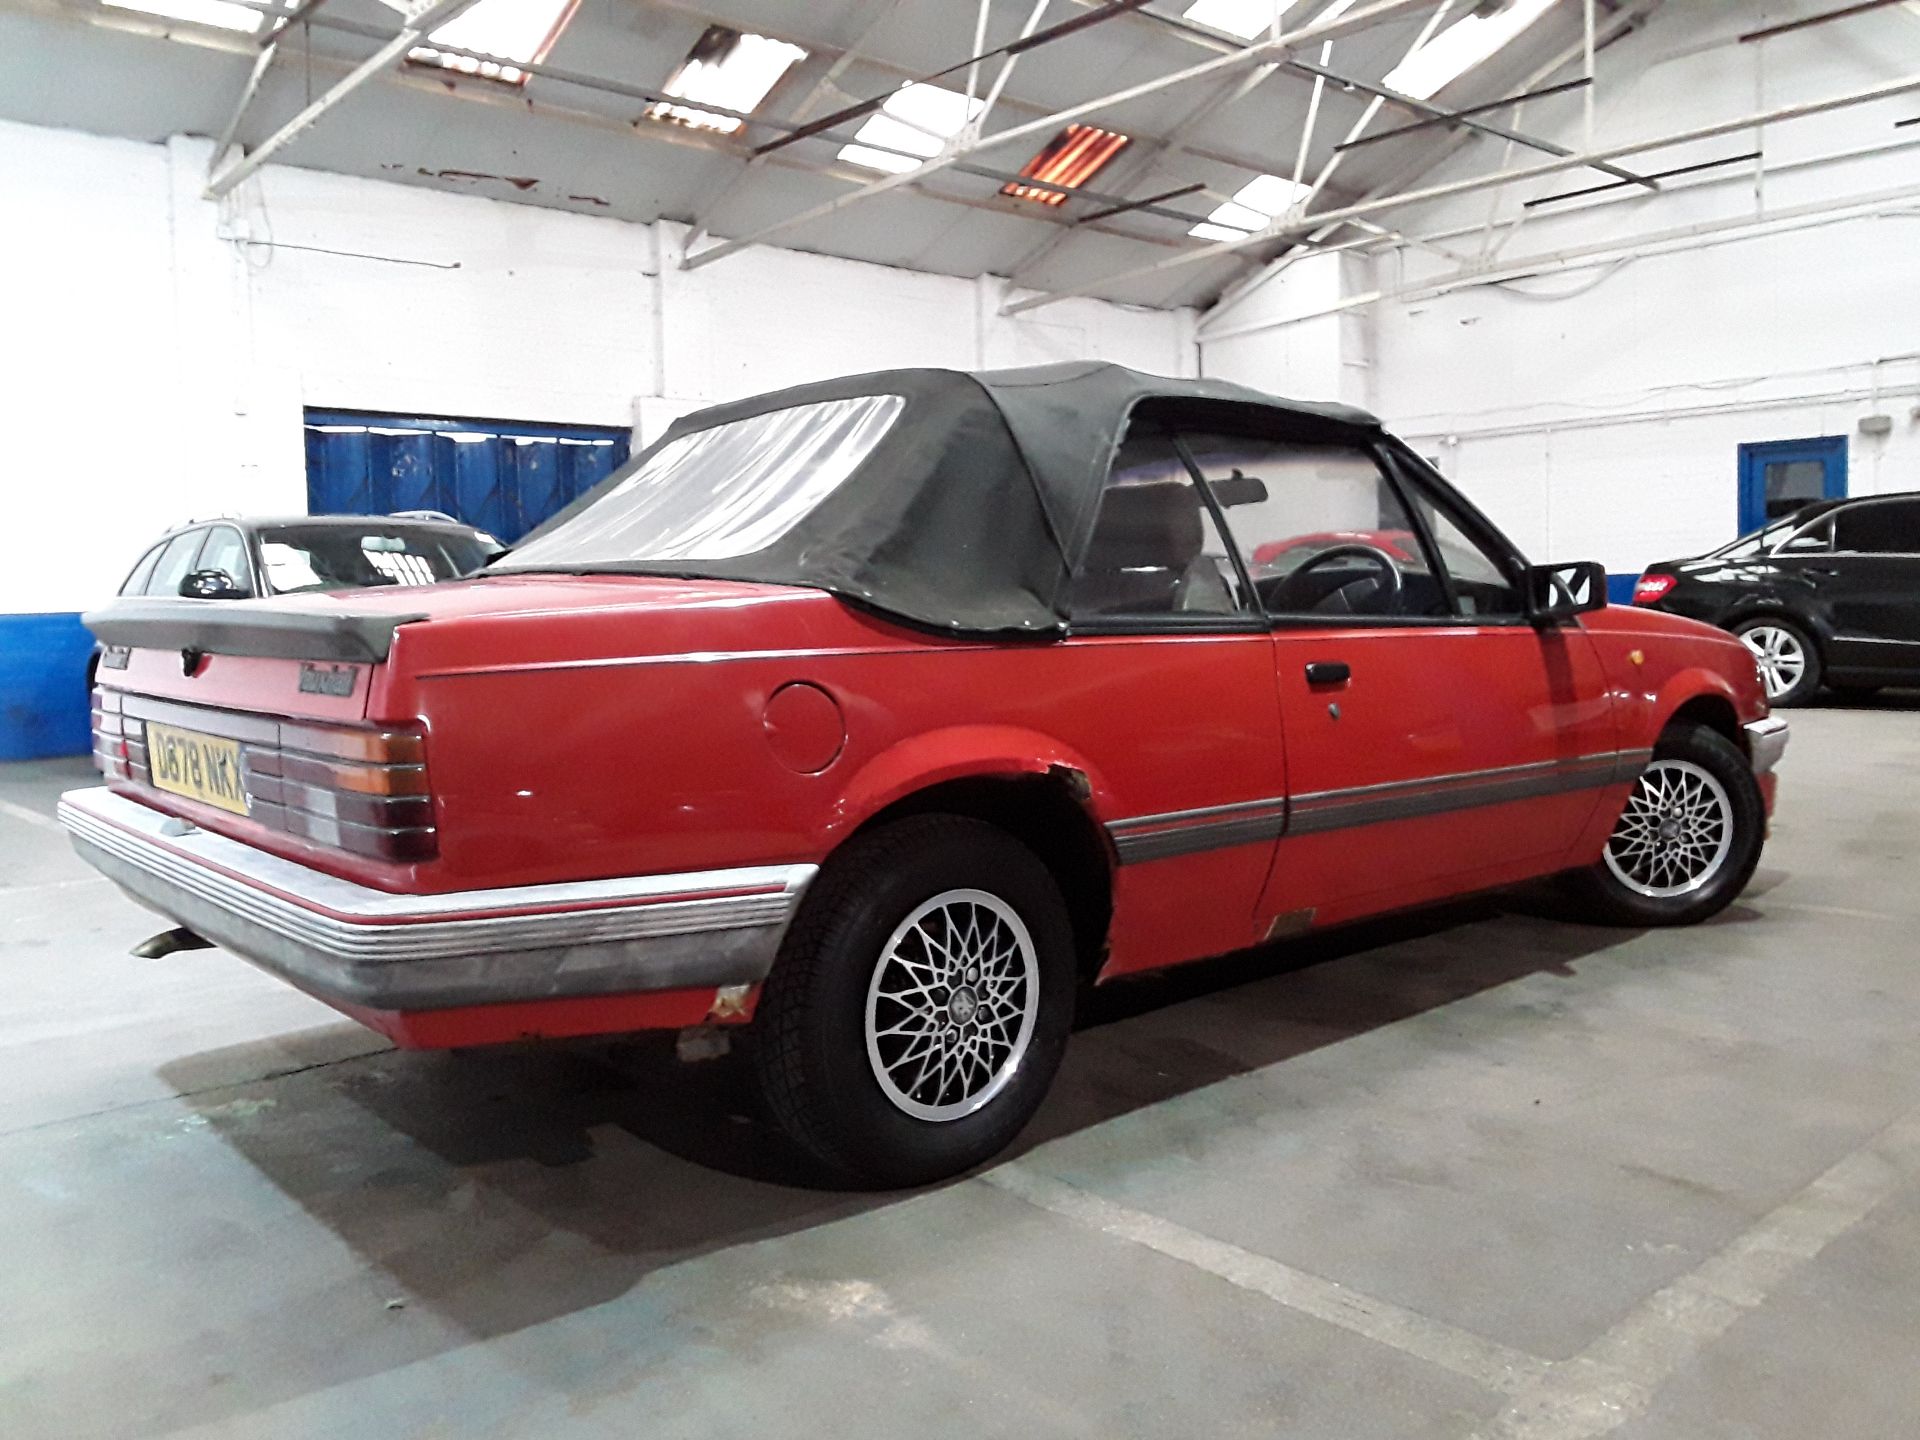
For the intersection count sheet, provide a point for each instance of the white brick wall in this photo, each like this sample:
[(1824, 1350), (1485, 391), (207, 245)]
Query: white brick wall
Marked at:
[(155, 364)]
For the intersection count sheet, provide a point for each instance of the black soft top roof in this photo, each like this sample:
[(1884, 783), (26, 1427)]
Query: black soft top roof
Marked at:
[(970, 513)]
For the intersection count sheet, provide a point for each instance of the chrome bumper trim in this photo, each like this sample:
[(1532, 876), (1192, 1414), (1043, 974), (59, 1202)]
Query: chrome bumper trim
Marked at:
[(370, 947), (1766, 742)]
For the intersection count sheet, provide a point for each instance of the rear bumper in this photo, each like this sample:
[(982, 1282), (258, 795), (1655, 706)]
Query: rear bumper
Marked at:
[(368, 950)]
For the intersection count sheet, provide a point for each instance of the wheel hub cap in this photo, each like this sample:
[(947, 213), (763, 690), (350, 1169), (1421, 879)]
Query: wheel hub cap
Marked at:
[(952, 1004), (1675, 833), (1780, 658)]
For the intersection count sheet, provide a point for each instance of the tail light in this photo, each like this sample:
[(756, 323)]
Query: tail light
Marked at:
[(361, 790), (109, 735), (1650, 588)]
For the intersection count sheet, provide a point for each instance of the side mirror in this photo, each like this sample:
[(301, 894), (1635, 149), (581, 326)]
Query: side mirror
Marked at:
[(211, 585), (1805, 545), (1559, 592)]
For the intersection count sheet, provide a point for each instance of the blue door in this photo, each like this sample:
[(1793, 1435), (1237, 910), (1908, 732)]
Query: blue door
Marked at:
[(1780, 476), (503, 476)]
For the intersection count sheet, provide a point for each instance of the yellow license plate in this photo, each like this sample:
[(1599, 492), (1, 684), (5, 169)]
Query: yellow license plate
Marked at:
[(200, 767)]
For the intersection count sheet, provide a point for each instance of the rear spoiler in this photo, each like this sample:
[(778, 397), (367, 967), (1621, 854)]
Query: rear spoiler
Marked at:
[(241, 627)]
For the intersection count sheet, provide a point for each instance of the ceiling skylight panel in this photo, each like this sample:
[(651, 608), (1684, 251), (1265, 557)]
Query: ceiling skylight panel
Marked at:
[(1253, 207), (731, 68), (919, 119), (200, 12), (521, 30), (1244, 18), (1461, 46)]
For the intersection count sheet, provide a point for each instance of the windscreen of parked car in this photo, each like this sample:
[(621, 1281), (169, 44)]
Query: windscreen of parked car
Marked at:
[(343, 557), (727, 491)]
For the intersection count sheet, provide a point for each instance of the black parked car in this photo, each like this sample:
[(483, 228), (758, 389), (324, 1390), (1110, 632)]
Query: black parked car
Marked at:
[(235, 559), (1829, 595)]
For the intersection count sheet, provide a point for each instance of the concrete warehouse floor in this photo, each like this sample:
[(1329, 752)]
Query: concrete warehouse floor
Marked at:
[(1475, 1173)]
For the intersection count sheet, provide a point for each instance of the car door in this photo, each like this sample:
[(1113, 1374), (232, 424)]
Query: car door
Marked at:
[(1870, 585), (1435, 739), (1168, 676)]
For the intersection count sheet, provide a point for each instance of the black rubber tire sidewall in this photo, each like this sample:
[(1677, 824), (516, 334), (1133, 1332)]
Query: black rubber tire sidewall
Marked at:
[(810, 1053), (1809, 683), (1611, 900)]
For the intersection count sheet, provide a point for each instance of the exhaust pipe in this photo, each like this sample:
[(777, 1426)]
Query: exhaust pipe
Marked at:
[(167, 941)]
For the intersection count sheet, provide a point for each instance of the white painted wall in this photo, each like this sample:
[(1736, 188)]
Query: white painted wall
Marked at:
[(1597, 412), (160, 348), (1327, 357)]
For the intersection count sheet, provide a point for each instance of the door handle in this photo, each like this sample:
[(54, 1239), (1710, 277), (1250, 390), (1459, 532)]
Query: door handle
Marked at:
[(1328, 672)]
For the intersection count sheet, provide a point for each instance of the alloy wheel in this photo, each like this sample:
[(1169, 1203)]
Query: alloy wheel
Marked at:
[(1676, 832), (952, 1005), (1782, 658)]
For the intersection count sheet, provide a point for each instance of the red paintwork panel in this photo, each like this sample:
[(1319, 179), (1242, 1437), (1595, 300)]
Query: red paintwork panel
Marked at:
[(1427, 703), (581, 728), (238, 682), (563, 1019)]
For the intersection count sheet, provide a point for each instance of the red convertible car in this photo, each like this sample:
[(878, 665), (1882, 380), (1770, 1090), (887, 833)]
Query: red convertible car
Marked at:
[(878, 716)]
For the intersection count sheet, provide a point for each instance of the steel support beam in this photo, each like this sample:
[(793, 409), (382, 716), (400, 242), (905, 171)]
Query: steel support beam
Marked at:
[(1249, 283), (1548, 262), (1210, 324), (1174, 141), (269, 48), (1014, 52), (1028, 40), (430, 17), (1274, 49), (1151, 153), (1805, 21), (1288, 228), (331, 23), (882, 11), (1441, 115), (1448, 117), (676, 134)]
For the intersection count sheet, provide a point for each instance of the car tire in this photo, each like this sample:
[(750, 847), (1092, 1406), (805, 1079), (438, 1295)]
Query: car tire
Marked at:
[(1789, 661), (936, 941), (1687, 840)]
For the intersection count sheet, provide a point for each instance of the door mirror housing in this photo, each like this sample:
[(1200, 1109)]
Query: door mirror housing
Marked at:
[(1559, 592), (211, 585)]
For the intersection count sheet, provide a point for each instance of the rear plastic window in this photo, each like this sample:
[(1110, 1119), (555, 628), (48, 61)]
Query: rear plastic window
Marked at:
[(718, 493)]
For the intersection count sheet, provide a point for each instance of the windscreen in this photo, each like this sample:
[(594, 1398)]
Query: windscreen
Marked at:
[(340, 557), (723, 492)]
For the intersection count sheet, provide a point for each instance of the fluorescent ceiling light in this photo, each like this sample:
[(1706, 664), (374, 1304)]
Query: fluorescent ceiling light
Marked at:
[(726, 67), (1460, 47), (511, 29), (1069, 160), (1245, 18), (918, 119), (200, 12), (1252, 208)]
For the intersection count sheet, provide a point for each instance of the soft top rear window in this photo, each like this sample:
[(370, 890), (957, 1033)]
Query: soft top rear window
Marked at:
[(730, 490)]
